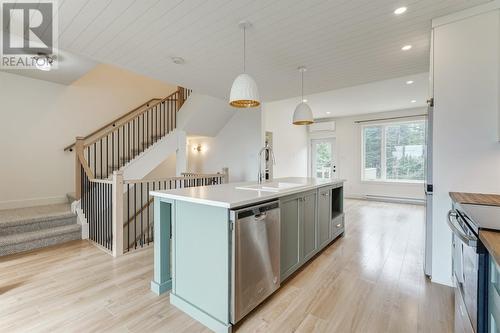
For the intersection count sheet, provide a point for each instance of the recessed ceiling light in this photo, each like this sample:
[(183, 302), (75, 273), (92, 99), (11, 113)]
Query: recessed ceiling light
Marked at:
[(304, 100), (413, 101), (406, 47), (409, 82), (400, 10), (328, 112), (177, 60), (44, 62)]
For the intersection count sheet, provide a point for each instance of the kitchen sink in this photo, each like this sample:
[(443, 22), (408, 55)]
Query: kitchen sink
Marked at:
[(269, 187)]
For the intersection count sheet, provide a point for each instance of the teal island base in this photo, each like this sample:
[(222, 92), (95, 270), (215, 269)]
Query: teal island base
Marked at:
[(193, 240)]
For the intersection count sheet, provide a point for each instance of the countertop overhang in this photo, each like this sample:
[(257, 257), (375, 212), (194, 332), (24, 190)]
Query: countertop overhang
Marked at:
[(229, 196)]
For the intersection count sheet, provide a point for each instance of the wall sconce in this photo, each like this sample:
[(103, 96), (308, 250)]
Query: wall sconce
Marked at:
[(198, 148)]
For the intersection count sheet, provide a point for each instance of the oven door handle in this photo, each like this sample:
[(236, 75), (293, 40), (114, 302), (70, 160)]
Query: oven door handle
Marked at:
[(457, 230)]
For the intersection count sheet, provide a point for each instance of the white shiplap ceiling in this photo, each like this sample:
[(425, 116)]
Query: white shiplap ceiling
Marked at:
[(342, 42)]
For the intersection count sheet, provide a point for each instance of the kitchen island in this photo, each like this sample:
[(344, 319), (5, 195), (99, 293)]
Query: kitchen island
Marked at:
[(291, 219)]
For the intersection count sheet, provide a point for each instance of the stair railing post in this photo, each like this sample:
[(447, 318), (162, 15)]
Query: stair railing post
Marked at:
[(79, 146), (180, 97), (225, 172), (117, 211)]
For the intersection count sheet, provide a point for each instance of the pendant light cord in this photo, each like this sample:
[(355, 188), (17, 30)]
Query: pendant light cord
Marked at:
[(244, 49), (302, 73)]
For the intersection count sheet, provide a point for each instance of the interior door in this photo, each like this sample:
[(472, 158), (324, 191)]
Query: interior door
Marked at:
[(323, 158)]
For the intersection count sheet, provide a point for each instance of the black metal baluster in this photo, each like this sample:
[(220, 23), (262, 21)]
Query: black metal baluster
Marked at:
[(147, 196), (107, 155), (113, 151), (142, 227), (110, 216), (105, 215), (133, 139), (156, 124), (94, 209), (100, 160), (135, 216), (95, 165), (100, 216), (164, 107), (128, 145), (118, 148), (175, 116), (128, 217), (123, 145)]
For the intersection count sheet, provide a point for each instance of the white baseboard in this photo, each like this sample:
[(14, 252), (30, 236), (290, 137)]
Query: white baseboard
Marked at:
[(80, 218), (412, 201), (11, 204), (445, 282)]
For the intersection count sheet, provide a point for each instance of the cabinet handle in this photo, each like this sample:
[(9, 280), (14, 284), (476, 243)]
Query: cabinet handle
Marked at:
[(325, 194)]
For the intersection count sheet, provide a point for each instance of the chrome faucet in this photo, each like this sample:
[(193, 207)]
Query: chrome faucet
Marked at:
[(261, 177)]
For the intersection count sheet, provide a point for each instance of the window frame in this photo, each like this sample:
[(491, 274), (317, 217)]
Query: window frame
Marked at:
[(383, 163)]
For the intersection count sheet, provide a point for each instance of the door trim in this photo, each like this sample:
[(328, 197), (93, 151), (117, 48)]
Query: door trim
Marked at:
[(310, 154)]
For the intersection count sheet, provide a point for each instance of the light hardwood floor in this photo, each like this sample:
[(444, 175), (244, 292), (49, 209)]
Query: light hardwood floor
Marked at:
[(371, 280)]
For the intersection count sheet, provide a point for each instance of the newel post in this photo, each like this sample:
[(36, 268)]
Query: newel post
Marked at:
[(180, 97), (117, 211), (79, 145), (225, 172)]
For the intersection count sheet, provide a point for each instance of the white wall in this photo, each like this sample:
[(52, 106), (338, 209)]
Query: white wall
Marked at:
[(172, 144), (40, 118), (203, 115), (166, 169), (289, 141), (466, 92), (236, 146), (348, 159)]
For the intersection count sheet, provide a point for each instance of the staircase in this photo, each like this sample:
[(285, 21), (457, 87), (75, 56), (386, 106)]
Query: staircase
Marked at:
[(117, 214), (31, 228), (116, 210)]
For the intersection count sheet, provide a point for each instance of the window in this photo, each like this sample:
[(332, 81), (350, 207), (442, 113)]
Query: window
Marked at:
[(394, 151)]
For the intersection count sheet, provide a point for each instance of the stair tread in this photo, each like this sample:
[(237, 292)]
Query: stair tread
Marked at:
[(40, 234), (20, 216)]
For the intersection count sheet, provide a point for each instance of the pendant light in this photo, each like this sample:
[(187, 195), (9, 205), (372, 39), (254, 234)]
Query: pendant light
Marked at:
[(244, 93), (303, 113)]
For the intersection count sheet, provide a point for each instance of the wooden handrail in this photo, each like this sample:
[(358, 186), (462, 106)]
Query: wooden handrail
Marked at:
[(150, 201), (86, 168), (194, 176), (115, 121), (198, 176), (110, 127)]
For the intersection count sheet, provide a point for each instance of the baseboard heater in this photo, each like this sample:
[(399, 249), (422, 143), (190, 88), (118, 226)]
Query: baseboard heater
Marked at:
[(385, 198)]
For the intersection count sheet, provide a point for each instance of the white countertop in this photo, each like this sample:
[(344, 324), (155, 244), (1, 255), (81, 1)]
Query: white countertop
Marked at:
[(229, 196)]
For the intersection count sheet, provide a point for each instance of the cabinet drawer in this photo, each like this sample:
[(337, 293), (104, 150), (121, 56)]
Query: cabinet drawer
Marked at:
[(338, 224)]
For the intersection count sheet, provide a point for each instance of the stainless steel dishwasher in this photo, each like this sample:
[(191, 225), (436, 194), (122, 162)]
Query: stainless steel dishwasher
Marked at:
[(255, 269)]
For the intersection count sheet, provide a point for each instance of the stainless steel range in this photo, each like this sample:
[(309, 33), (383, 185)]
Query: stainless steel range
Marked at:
[(470, 266)]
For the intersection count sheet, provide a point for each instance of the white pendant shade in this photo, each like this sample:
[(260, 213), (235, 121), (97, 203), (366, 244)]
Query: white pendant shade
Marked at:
[(244, 92), (303, 115)]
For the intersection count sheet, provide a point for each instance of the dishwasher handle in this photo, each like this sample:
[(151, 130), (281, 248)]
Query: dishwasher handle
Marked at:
[(260, 217), (259, 212)]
